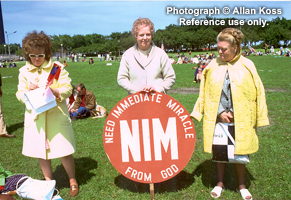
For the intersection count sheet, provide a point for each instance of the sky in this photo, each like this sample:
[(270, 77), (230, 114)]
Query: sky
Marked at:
[(106, 17)]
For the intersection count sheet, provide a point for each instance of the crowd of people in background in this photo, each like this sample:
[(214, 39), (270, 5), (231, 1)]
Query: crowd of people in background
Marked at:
[(180, 59), (74, 57), (6, 65), (193, 60), (202, 60), (280, 52)]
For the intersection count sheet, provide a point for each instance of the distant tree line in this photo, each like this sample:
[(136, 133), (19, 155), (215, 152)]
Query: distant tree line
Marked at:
[(198, 37), (4, 50), (173, 37), (91, 44)]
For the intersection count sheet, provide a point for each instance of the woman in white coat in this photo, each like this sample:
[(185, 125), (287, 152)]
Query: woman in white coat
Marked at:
[(49, 134), (145, 67)]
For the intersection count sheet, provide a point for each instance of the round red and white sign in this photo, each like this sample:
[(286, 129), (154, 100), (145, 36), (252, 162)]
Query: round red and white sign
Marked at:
[(149, 138)]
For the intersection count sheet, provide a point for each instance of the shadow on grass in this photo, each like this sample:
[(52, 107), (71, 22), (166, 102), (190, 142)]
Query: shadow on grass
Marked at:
[(14, 127), (207, 170), (179, 182), (83, 175)]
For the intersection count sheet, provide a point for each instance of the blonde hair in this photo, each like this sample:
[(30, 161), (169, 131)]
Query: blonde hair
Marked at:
[(231, 35), (142, 22)]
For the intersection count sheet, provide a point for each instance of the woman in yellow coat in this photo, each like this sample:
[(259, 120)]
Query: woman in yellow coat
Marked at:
[(49, 134), (231, 92)]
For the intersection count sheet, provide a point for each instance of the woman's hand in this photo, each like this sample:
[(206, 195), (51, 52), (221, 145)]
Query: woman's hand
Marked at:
[(148, 88), (32, 86), (56, 93), (226, 117)]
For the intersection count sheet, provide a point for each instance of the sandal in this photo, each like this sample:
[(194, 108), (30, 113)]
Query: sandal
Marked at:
[(217, 190), (74, 190), (245, 193)]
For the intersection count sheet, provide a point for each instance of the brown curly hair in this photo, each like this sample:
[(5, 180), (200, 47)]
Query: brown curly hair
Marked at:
[(231, 35), (142, 22), (36, 40)]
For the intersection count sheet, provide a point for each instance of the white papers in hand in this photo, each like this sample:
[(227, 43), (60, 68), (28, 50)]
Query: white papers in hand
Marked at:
[(40, 100)]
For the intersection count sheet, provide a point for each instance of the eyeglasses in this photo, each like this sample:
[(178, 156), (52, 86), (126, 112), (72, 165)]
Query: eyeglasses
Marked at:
[(34, 55)]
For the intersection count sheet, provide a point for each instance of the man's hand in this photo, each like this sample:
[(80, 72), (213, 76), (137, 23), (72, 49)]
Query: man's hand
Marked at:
[(73, 110)]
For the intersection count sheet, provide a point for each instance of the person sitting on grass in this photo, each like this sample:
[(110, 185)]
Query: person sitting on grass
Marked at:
[(213, 55), (85, 103), (180, 60), (272, 50), (91, 61), (282, 50), (195, 60), (286, 50), (202, 58), (65, 63), (186, 60), (172, 60), (71, 100)]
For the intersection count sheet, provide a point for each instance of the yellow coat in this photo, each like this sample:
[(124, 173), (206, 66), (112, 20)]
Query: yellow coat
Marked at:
[(54, 124), (249, 103)]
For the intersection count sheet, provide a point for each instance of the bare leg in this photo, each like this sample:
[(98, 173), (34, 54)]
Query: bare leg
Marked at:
[(240, 173), (220, 167), (46, 168), (69, 165), (197, 78)]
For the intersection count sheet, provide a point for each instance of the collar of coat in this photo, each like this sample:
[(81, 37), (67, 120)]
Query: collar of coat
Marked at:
[(31, 67), (151, 55)]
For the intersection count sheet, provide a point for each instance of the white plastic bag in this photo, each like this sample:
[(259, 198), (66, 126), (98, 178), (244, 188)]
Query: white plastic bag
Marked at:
[(36, 189)]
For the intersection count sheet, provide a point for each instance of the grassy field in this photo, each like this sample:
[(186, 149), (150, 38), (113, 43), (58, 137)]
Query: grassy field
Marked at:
[(268, 176)]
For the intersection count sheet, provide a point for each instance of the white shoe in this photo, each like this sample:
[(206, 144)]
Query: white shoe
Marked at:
[(217, 190), (245, 193)]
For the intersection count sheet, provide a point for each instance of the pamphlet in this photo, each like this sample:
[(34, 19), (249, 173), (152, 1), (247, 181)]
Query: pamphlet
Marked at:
[(40, 100)]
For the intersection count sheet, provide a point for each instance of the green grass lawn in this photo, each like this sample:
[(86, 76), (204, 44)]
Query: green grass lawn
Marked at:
[(268, 176)]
